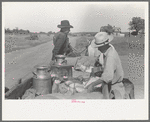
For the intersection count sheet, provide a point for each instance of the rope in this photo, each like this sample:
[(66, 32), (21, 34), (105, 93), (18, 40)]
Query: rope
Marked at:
[(79, 53)]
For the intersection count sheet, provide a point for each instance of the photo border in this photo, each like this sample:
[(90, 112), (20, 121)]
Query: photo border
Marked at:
[(65, 1)]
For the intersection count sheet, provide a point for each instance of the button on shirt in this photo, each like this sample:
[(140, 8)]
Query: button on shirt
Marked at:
[(113, 70)]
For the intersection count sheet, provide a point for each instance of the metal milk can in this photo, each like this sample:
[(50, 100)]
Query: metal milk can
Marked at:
[(60, 59), (42, 80)]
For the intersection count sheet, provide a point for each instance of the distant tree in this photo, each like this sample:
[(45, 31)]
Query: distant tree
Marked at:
[(42, 33), (17, 29), (28, 31), (5, 30), (137, 24), (109, 29), (49, 33), (8, 30)]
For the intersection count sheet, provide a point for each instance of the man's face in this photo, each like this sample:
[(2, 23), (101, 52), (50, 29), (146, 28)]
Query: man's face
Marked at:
[(103, 48), (67, 30)]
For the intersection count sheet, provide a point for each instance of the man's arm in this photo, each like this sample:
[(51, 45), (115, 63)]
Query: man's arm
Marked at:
[(95, 83), (107, 74), (109, 68)]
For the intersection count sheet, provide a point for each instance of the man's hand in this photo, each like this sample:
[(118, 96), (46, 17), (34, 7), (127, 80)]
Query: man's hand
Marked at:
[(94, 81), (69, 49)]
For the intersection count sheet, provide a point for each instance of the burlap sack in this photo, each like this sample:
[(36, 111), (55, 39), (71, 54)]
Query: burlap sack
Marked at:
[(85, 63)]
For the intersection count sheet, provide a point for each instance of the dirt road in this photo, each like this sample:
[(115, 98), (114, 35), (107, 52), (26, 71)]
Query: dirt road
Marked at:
[(20, 63)]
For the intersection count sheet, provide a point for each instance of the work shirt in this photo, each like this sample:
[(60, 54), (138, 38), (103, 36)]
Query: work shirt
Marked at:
[(60, 41), (113, 70)]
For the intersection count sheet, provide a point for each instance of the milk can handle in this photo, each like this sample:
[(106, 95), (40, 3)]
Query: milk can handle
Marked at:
[(34, 73), (48, 70), (64, 61)]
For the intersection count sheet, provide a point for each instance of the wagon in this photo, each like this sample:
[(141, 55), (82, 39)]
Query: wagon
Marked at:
[(26, 84)]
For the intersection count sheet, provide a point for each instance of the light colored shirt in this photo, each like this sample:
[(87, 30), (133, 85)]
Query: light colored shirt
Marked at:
[(91, 51), (113, 70)]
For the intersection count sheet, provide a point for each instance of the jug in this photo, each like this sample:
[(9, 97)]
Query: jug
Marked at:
[(60, 60), (42, 80)]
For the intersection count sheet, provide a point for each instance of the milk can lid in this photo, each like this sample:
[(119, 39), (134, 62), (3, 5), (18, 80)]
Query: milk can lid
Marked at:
[(60, 56)]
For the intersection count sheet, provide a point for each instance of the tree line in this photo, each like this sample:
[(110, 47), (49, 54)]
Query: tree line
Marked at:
[(137, 24), (7, 30)]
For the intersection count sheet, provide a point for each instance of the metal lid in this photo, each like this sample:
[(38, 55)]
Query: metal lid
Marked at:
[(60, 56), (42, 67)]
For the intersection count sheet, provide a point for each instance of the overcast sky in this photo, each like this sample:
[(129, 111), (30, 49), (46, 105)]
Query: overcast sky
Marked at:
[(83, 16)]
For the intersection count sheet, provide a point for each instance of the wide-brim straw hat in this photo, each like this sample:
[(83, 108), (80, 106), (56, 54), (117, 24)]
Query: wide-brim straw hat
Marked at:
[(101, 39), (65, 24)]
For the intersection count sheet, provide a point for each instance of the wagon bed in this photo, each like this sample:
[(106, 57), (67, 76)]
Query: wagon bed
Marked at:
[(24, 84)]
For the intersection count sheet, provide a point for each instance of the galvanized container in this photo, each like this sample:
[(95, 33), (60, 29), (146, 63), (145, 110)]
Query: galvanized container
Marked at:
[(60, 60), (42, 80)]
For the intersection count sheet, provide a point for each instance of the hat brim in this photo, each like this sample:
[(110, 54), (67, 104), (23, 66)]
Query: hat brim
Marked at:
[(60, 26), (110, 37)]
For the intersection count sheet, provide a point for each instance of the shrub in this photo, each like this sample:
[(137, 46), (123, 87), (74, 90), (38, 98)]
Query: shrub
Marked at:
[(81, 43)]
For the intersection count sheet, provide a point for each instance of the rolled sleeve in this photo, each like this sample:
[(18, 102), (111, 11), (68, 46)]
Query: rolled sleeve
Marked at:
[(109, 69)]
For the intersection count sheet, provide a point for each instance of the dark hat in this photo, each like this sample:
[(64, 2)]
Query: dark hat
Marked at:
[(65, 24)]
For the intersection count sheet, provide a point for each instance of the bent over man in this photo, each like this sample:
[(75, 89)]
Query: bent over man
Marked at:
[(113, 74)]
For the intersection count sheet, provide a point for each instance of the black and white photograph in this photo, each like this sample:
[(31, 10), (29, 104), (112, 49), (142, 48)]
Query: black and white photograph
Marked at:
[(75, 60)]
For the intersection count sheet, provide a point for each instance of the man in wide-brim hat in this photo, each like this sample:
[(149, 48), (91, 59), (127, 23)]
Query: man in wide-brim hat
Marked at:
[(60, 39), (108, 57), (65, 24)]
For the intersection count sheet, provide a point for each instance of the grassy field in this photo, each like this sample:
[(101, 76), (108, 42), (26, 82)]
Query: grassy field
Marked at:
[(17, 42), (123, 45), (120, 44)]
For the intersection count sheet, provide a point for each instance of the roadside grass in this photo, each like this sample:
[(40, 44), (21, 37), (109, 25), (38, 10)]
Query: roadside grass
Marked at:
[(123, 45), (17, 42), (120, 44)]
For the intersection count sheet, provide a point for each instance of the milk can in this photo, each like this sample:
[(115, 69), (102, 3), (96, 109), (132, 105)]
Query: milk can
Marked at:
[(42, 80), (60, 59)]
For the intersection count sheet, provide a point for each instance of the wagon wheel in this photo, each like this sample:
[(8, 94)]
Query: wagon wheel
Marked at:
[(117, 94)]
